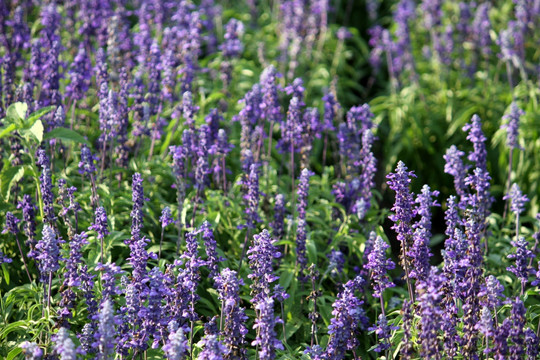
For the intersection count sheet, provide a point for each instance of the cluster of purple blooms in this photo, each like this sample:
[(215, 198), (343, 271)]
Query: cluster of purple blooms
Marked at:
[(139, 85)]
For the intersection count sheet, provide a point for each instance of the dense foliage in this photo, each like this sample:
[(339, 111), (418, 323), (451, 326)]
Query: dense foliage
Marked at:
[(269, 179)]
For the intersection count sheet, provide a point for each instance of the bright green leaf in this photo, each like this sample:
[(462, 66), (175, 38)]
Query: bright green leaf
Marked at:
[(8, 178), (66, 135)]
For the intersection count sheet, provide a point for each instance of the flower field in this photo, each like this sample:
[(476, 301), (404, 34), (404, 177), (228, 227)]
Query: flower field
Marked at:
[(274, 179)]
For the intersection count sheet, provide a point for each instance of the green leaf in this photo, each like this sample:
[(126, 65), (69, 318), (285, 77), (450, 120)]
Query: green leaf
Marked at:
[(13, 353), (9, 177), (6, 273), (66, 135), (36, 131), (16, 113), (7, 130), (38, 114)]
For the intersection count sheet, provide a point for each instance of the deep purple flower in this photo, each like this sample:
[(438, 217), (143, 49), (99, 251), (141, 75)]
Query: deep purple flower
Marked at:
[(517, 199), (480, 30), (384, 332), (109, 275), (331, 107), (368, 168), (476, 137), (348, 318), (48, 250), (303, 192), (100, 223), (512, 126), (517, 334), (403, 209), (292, 128), (86, 165), (46, 186), (261, 255), (336, 262), (234, 319), (420, 252), (521, 268), (176, 347), (379, 265), (532, 345), (210, 247), (232, 45), (270, 106), (455, 167), (12, 224), (277, 225), (166, 217), (265, 323), (80, 73), (430, 298)]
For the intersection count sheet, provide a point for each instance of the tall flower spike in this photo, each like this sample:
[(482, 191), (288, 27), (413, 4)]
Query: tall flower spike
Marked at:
[(384, 332), (261, 256), (403, 214), (420, 252), (517, 199), (64, 346), (455, 167), (210, 247), (348, 319), (31, 351), (379, 265), (521, 268), (301, 235), (279, 217), (48, 250), (176, 347), (234, 329), (106, 333), (512, 126), (266, 335), (477, 138)]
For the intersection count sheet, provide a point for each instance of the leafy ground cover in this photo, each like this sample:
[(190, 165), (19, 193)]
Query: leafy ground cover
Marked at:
[(269, 180)]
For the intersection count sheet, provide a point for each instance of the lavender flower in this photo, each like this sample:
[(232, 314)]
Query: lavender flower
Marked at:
[(46, 186), (476, 137), (234, 329), (48, 250), (491, 292), (404, 212), (210, 246), (106, 333), (521, 268), (64, 346), (517, 334), (138, 202), (455, 167), (176, 347), (517, 199), (213, 348), (261, 255), (31, 351), (512, 126), (100, 223), (430, 298), (232, 45), (420, 252), (80, 73), (384, 332), (303, 192), (485, 326), (12, 224), (86, 165), (252, 197), (279, 215), (348, 319), (379, 265), (266, 335), (166, 217)]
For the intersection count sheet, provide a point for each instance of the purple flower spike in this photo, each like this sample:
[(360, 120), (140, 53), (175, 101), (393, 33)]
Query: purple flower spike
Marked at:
[(48, 250), (517, 199), (521, 268), (379, 265), (176, 347), (166, 217), (512, 126), (261, 256), (64, 346), (12, 224), (384, 332), (266, 335), (31, 351), (100, 223), (86, 165)]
